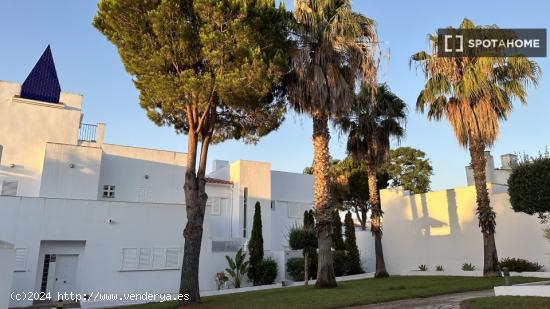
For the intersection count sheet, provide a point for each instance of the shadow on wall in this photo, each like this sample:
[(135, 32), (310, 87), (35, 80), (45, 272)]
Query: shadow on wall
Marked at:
[(436, 214)]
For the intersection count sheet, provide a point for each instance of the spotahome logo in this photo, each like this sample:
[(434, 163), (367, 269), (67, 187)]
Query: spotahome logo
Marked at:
[(490, 42)]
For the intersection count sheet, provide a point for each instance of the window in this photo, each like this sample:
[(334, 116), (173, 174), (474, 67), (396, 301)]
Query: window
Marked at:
[(216, 204), (9, 188), (226, 246), (150, 258), (20, 259), (108, 191)]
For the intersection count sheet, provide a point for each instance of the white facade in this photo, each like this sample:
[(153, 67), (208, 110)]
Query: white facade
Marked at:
[(91, 217), (109, 218)]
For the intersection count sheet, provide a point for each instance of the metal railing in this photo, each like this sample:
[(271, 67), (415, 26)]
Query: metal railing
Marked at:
[(87, 132)]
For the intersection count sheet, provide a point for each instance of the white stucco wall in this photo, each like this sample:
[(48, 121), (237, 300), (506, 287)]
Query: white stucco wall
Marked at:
[(71, 171), (7, 266), (30, 222), (441, 228), (26, 127), (127, 167)]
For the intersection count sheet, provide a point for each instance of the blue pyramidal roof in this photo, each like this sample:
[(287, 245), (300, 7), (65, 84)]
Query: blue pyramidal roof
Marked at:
[(42, 83)]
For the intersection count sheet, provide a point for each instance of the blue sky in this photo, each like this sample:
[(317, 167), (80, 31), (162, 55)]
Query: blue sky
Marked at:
[(89, 65)]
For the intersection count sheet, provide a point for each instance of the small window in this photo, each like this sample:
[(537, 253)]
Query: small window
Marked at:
[(20, 259), (214, 205), (108, 191), (9, 188)]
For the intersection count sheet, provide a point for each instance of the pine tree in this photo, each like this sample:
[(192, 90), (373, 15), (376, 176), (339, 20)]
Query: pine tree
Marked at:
[(351, 246), (337, 239), (256, 246)]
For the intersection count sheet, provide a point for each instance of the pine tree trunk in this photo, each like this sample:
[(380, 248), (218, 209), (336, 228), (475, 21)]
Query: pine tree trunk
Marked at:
[(195, 203), (485, 212), (323, 215), (363, 218), (376, 223)]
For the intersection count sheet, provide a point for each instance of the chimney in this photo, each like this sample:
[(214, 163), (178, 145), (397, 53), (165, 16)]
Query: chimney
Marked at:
[(508, 160)]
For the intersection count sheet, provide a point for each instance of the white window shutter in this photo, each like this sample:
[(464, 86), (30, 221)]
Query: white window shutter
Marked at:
[(159, 258), (172, 257), (20, 259), (145, 258), (130, 258)]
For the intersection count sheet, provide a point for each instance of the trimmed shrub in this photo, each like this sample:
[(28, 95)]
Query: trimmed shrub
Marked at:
[(423, 267), (519, 265), (351, 247), (529, 187), (267, 271), (337, 238), (341, 263), (295, 268), (439, 268), (256, 246)]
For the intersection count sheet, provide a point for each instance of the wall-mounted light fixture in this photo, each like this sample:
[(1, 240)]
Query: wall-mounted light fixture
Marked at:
[(12, 165), (71, 165), (146, 176)]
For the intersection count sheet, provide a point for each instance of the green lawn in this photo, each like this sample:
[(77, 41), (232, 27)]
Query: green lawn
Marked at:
[(507, 302), (350, 293)]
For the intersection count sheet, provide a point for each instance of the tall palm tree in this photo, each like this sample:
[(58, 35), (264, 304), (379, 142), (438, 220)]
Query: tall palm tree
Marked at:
[(334, 48), (377, 117), (474, 94)]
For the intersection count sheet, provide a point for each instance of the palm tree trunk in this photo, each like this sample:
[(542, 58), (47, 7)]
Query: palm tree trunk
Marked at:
[(376, 223), (485, 212), (323, 215), (195, 203)]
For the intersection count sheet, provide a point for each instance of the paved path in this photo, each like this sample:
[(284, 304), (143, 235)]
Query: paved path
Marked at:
[(447, 301)]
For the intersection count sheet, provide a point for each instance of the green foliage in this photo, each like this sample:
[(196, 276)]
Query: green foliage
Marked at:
[(409, 168), (519, 265), (351, 246), (256, 246), (212, 68), (341, 262), (237, 268), (309, 219), (337, 237), (221, 279), (468, 267), (267, 272), (439, 268), (529, 187), (302, 238), (423, 267), (295, 268)]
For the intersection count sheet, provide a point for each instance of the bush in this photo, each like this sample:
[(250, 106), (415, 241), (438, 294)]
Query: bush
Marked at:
[(267, 272), (520, 265), (468, 267), (439, 268), (295, 268), (529, 187), (423, 267), (342, 263)]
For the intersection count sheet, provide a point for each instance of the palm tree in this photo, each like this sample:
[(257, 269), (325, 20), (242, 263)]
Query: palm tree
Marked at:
[(473, 94), (377, 116), (334, 48)]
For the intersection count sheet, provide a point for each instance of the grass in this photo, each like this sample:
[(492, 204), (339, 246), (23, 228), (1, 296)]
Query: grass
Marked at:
[(506, 302), (349, 293)]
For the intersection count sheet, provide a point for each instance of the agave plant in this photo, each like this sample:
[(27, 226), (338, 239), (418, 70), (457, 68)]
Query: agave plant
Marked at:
[(238, 268)]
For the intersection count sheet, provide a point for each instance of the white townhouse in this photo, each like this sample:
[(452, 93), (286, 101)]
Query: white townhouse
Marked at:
[(86, 216)]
